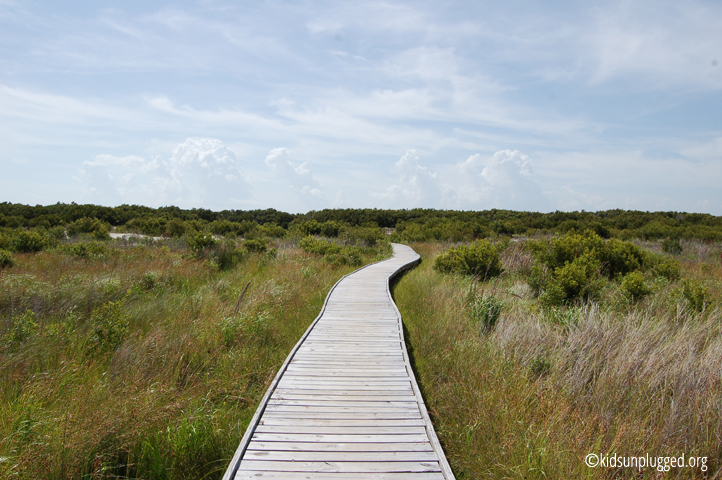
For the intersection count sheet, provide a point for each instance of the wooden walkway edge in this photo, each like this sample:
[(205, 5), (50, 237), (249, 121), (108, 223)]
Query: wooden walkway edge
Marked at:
[(345, 404)]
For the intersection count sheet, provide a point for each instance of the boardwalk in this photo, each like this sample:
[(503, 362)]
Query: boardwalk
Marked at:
[(345, 405)]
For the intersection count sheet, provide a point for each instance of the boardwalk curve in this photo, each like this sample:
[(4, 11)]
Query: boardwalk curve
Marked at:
[(345, 404)]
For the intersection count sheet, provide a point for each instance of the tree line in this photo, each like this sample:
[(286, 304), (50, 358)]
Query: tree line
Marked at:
[(403, 224)]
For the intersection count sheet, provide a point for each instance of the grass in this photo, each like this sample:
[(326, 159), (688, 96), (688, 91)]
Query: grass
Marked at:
[(130, 360), (531, 395)]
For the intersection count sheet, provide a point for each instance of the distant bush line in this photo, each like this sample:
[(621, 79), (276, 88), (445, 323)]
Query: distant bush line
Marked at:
[(403, 225)]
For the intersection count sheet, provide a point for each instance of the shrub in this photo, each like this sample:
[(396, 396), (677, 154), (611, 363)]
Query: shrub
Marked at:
[(6, 259), (177, 228), (110, 325), (258, 245), (664, 267), (223, 227), (28, 241), (480, 259), (271, 230), (696, 295), (559, 251), (6, 242), (319, 247), (486, 310), (634, 287), (200, 242), (368, 236), (576, 279), (620, 258), (672, 246), (226, 256), (92, 249), (349, 256), (99, 230), (22, 327), (57, 234)]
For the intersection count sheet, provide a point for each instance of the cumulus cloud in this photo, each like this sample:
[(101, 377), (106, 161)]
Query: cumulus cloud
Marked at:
[(417, 185), (201, 172), (299, 178), (506, 180)]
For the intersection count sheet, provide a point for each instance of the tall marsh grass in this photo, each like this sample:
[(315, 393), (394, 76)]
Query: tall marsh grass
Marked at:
[(139, 361), (532, 396)]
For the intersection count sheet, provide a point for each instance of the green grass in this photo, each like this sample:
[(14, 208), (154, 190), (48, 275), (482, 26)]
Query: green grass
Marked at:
[(541, 388), (131, 361)]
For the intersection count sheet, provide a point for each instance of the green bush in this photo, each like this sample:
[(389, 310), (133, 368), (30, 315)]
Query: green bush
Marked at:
[(576, 279), (110, 325), (672, 246), (634, 287), (664, 267), (226, 256), (97, 229), (480, 259), (92, 249), (619, 258), (201, 241), (571, 266), (22, 327), (558, 251), (28, 241), (271, 230), (366, 236), (177, 228), (696, 295), (258, 245), (6, 242), (318, 247), (6, 259)]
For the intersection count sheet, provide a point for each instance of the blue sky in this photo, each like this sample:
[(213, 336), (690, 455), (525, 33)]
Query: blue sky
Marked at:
[(527, 105)]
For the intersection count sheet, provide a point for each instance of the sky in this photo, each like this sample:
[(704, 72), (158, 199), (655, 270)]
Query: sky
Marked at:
[(304, 105)]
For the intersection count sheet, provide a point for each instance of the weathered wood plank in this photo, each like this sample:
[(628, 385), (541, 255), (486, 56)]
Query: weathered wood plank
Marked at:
[(341, 447), (340, 438), (295, 456), (251, 475), (340, 467)]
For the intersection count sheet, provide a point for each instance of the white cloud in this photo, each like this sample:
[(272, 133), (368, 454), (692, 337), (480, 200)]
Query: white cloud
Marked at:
[(417, 185), (201, 172), (299, 178), (667, 42), (505, 180)]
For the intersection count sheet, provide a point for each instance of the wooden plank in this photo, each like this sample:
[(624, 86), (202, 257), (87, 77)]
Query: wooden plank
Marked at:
[(385, 414), (328, 410), (295, 456), (324, 438), (329, 430), (339, 467), (342, 422), (341, 447), (344, 397), (256, 475), (281, 392), (312, 400)]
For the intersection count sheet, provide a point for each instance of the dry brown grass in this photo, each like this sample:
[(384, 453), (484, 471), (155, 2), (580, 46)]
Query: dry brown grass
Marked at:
[(531, 398)]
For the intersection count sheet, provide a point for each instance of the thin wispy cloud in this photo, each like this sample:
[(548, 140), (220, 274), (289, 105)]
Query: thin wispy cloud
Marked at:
[(532, 106)]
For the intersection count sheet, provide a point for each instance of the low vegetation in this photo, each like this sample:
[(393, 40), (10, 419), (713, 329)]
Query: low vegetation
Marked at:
[(140, 359), (537, 338), (581, 345)]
